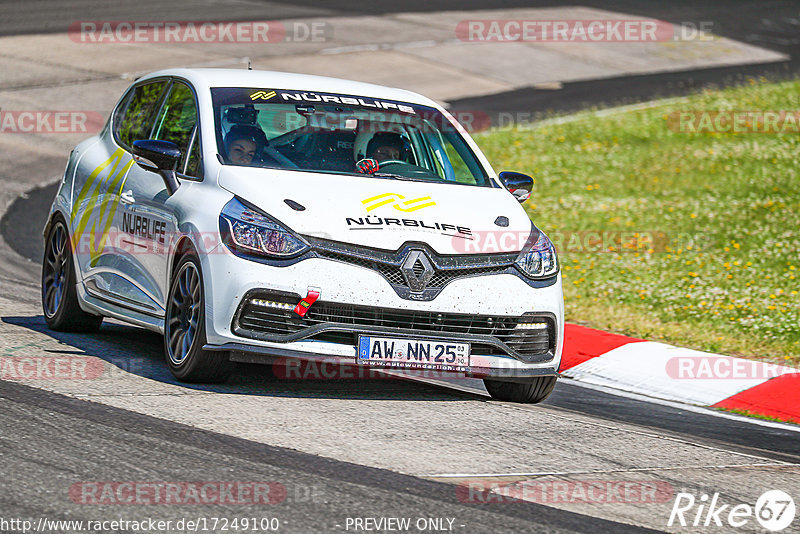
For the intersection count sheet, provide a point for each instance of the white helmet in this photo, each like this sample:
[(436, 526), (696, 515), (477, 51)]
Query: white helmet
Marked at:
[(367, 130)]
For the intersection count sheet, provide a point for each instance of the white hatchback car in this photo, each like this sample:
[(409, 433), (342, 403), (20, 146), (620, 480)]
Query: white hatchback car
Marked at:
[(252, 215)]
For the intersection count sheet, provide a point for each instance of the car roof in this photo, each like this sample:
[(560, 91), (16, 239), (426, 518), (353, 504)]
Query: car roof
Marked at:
[(286, 80)]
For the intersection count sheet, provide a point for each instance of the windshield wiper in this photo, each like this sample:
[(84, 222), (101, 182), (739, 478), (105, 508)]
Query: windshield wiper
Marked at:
[(395, 176)]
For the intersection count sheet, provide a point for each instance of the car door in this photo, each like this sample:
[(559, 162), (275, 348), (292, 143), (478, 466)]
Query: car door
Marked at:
[(99, 199), (152, 221)]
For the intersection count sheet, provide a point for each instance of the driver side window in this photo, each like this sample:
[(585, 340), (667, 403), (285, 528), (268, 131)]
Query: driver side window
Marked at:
[(177, 122)]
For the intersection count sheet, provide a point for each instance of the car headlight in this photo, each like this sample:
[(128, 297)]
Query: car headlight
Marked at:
[(539, 260), (252, 231)]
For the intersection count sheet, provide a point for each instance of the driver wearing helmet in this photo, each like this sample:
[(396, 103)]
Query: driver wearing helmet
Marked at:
[(243, 143), (386, 146)]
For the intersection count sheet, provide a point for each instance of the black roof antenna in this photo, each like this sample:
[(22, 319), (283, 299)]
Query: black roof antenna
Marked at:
[(249, 65)]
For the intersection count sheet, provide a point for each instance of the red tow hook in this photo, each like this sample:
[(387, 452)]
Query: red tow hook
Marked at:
[(302, 307)]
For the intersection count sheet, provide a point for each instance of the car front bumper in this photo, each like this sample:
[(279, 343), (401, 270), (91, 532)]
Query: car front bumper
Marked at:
[(231, 282)]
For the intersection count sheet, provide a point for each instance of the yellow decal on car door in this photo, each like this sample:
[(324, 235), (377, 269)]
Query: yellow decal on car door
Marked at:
[(97, 203)]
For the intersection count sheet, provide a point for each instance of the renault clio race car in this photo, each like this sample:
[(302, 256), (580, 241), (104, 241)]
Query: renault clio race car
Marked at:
[(250, 216)]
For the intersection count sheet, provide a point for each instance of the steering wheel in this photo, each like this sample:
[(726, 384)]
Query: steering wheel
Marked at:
[(393, 162)]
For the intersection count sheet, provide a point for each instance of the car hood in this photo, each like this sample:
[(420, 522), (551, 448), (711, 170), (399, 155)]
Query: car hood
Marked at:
[(385, 213)]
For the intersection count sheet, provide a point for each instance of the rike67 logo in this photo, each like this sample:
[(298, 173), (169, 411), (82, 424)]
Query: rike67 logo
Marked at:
[(774, 510)]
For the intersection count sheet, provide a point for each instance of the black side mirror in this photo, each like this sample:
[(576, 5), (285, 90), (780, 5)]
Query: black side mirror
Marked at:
[(518, 184), (160, 157)]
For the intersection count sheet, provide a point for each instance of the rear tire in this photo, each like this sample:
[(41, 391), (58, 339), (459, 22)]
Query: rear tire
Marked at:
[(531, 392), (59, 293), (185, 328)]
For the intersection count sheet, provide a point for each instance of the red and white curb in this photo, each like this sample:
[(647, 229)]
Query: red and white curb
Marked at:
[(677, 374)]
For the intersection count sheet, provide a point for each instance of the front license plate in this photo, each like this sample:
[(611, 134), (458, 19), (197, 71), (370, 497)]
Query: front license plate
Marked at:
[(401, 352)]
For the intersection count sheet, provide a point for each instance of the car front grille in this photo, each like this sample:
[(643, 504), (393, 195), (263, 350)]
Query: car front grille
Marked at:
[(392, 273), (269, 316)]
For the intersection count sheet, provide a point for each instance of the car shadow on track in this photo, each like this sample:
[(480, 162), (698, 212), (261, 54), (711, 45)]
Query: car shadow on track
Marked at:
[(140, 352)]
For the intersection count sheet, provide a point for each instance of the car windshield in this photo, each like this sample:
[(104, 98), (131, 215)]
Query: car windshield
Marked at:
[(341, 134)]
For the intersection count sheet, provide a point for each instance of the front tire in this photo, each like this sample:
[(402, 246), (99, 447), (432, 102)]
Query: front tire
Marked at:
[(531, 392), (59, 293), (185, 328)]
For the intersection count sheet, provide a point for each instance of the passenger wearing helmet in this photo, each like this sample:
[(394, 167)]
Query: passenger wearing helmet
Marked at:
[(243, 144)]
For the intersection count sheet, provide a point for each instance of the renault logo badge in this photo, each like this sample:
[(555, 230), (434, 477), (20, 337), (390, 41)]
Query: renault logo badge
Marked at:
[(417, 270)]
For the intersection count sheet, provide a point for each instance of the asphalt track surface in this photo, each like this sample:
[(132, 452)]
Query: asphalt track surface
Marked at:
[(772, 24), (47, 438), (34, 420)]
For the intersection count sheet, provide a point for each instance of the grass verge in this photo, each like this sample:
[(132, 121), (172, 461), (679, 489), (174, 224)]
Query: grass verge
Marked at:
[(686, 238)]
